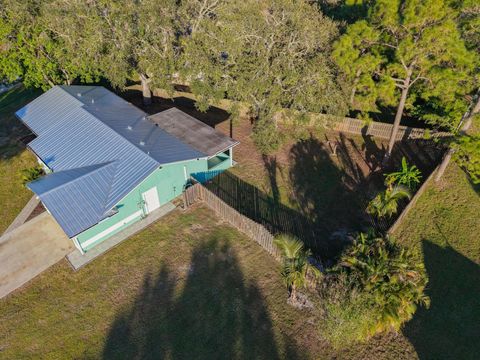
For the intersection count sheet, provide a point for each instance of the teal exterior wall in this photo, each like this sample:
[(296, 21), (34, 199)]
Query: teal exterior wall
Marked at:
[(169, 181)]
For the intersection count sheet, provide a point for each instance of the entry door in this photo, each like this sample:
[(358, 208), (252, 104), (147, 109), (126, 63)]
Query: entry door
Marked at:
[(151, 200)]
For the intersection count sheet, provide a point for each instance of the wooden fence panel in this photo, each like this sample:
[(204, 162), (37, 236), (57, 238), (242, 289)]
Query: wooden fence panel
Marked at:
[(383, 130), (252, 229)]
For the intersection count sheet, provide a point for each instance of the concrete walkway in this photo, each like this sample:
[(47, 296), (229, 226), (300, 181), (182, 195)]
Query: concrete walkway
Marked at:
[(77, 260), (24, 214), (30, 249)]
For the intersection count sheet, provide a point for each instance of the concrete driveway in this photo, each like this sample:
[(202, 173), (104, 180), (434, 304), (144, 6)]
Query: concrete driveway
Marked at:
[(30, 249)]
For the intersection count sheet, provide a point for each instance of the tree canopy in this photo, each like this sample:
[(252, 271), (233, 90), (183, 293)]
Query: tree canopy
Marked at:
[(418, 61), (32, 49), (271, 55), (276, 56)]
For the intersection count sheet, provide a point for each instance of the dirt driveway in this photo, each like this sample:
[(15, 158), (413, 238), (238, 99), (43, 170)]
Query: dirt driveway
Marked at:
[(30, 249)]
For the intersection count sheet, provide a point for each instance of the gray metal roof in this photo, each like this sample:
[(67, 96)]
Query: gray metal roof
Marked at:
[(132, 123), (89, 185), (192, 131), (90, 137)]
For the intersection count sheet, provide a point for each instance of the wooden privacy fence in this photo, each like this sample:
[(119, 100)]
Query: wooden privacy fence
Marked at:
[(359, 127), (252, 229), (383, 130)]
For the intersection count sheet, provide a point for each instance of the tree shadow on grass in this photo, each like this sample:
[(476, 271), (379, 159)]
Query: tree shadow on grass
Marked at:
[(330, 200), (271, 165), (14, 135), (218, 314), (332, 196), (450, 328)]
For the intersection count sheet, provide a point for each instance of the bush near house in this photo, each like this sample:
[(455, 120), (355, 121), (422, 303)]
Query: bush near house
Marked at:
[(31, 174)]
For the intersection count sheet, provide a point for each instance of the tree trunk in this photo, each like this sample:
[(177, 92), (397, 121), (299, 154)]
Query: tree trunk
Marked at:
[(146, 92), (354, 87), (293, 294), (467, 122), (398, 116)]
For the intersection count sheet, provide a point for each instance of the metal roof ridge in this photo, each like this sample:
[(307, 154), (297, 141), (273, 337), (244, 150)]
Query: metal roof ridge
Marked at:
[(84, 108)]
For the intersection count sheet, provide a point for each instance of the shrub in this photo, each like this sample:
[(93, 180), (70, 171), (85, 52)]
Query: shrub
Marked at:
[(467, 155), (347, 314), (409, 176), (382, 285), (385, 204), (266, 137), (31, 174)]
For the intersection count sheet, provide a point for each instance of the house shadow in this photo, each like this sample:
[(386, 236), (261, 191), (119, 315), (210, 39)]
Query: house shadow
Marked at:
[(450, 328), (217, 314)]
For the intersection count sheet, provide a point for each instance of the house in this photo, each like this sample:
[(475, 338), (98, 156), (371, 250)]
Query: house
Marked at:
[(109, 164)]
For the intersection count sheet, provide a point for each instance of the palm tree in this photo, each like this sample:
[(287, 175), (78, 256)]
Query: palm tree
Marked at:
[(296, 267), (386, 203)]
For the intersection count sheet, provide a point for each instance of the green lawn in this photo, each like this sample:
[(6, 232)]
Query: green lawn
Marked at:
[(13, 156), (187, 287), (444, 227)]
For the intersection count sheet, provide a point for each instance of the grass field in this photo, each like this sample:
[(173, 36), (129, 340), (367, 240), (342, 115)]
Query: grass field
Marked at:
[(13, 156), (178, 289), (188, 287), (444, 226)]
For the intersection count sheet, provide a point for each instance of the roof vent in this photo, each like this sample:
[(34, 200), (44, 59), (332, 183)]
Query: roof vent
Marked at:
[(142, 143), (79, 94), (93, 101), (129, 127)]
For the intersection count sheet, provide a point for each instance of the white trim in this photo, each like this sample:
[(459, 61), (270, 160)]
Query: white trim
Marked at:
[(112, 228), (77, 245), (183, 161), (231, 156), (225, 149)]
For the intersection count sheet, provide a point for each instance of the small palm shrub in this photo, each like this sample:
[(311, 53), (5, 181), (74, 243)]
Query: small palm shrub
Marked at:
[(391, 274), (382, 285), (385, 204), (409, 176), (31, 174), (296, 269)]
